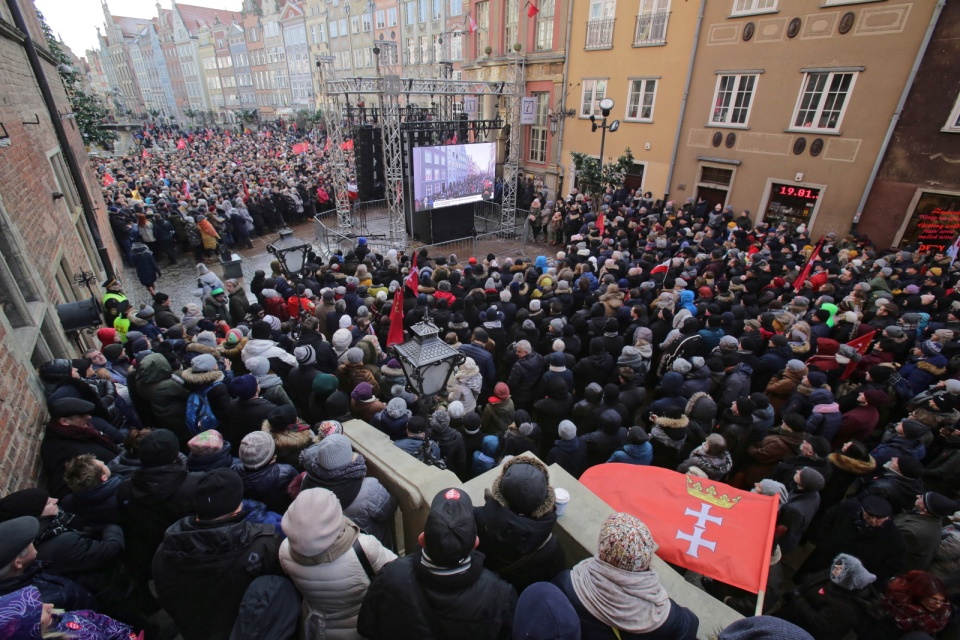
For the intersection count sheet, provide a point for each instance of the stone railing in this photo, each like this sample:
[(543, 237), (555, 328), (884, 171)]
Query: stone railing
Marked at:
[(413, 485)]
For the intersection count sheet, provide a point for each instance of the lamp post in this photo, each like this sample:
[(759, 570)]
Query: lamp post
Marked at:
[(290, 252), (606, 106), (426, 360), (554, 119)]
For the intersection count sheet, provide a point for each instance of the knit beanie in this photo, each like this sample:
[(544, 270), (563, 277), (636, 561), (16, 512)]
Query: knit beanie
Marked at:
[(939, 505), (397, 408), (440, 420), (258, 365), (914, 429), (209, 441), (26, 502), (471, 423), (218, 493), (159, 447), (501, 391), (243, 387), (234, 336), (545, 613), (313, 522), (567, 430), (203, 363), (456, 410), (811, 479), (256, 450), (626, 543), (305, 355), (281, 417), (682, 366), (852, 575), (324, 384), (763, 628), (796, 365), (333, 452), (328, 428), (354, 355), (363, 392), (206, 338)]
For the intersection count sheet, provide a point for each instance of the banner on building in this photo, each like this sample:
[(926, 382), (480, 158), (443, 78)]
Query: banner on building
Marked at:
[(528, 110)]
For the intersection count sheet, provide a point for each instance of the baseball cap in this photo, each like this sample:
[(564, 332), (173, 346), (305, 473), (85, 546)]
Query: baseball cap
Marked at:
[(450, 532)]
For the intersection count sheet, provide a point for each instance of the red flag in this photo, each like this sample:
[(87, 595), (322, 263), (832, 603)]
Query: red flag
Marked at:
[(186, 188), (601, 222), (246, 191), (181, 144), (395, 335), (413, 278), (229, 141), (294, 126), (326, 147), (663, 267), (108, 179), (703, 525), (861, 344), (473, 25), (532, 10), (144, 154), (806, 270), (269, 134), (162, 174), (348, 145), (303, 147)]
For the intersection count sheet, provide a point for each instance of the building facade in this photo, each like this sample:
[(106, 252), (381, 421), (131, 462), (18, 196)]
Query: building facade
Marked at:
[(788, 104), (916, 195)]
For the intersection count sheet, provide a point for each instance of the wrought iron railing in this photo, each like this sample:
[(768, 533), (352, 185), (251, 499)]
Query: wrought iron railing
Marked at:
[(600, 33)]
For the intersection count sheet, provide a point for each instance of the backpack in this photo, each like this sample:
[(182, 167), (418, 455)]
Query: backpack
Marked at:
[(425, 455), (200, 416)]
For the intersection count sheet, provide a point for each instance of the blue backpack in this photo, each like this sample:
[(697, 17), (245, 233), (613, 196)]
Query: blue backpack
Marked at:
[(200, 416)]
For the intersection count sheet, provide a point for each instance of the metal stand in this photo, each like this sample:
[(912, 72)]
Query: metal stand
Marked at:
[(333, 118), (388, 77)]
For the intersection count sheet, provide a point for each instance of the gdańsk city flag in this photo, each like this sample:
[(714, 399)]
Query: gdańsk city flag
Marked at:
[(709, 527)]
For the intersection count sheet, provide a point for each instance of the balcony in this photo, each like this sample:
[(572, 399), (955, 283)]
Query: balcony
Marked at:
[(600, 34), (651, 29)]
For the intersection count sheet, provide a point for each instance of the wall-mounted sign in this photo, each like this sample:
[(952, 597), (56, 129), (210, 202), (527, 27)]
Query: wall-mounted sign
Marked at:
[(470, 105), (935, 222), (528, 110)]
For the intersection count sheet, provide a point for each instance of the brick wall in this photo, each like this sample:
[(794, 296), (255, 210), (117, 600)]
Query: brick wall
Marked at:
[(45, 231)]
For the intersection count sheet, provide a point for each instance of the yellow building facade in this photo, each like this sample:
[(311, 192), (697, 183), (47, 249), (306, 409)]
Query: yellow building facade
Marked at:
[(638, 53)]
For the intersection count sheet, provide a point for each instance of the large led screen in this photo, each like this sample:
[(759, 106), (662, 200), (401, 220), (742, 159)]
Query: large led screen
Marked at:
[(453, 174)]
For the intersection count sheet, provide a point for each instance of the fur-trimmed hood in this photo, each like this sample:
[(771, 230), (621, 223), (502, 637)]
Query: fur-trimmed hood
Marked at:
[(289, 440), (549, 502), (671, 423), (199, 380), (700, 406), (852, 465), (233, 352), (196, 347)]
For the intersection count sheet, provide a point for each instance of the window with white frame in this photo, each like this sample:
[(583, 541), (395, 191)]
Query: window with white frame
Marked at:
[(456, 7), (334, 30), (652, 22), (354, 24), (456, 45), (746, 7), (483, 25), (437, 9), (391, 16), (953, 123), (410, 13), (381, 18), (424, 10), (321, 32), (594, 91), (823, 100), (640, 99), (538, 130), (366, 21), (544, 32), (343, 27), (732, 99), (511, 20)]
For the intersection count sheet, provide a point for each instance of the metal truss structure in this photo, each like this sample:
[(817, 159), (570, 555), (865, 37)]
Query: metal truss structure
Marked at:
[(392, 119), (330, 106)]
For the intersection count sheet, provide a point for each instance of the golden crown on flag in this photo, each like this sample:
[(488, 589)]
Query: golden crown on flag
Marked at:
[(710, 495)]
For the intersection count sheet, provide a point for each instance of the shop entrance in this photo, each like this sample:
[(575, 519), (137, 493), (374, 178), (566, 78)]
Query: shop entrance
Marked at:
[(793, 204)]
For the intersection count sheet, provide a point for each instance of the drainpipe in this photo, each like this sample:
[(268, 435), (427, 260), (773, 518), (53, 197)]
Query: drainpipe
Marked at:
[(563, 100), (896, 114), (683, 101), (75, 172)]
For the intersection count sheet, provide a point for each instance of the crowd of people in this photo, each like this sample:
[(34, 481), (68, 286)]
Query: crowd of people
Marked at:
[(202, 451)]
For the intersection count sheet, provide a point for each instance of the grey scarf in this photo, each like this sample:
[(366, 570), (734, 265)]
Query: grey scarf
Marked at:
[(630, 601)]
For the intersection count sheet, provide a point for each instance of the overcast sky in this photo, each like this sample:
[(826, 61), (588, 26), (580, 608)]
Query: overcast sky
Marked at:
[(76, 21)]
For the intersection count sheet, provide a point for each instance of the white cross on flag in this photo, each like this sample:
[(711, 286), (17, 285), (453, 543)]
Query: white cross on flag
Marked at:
[(702, 525)]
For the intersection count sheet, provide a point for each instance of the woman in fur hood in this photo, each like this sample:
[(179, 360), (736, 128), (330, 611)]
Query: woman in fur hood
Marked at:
[(515, 524)]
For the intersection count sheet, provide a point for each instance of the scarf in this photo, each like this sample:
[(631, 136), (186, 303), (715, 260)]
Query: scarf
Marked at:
[(86, 432), (343, 482), (52, 526), (269, 380), (915, 617), (631, 601), (340, 546)]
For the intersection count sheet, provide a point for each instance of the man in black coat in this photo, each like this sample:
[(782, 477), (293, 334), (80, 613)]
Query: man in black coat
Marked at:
[(443, 590), (864, 530), (525, 376), (70, 433), (249, 411), (213, 552)]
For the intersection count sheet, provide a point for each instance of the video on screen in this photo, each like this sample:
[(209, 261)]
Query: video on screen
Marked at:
[(453, 174)]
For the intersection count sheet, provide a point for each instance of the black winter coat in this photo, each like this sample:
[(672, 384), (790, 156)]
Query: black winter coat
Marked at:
[(827, 611), (197, 559), (269, 485), (523, 380), (406, 601), (56, 450), (571, 455), (247, 417)]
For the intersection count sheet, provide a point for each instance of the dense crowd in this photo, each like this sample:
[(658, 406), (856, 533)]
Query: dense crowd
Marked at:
[(201, 450)]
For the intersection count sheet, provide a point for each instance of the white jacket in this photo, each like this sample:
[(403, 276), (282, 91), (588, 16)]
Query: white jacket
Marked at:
[(336, 589), (266, 349)]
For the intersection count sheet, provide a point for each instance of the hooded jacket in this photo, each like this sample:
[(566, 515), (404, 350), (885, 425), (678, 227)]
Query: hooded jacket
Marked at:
[(824, 420), (160, 397), (521, 549)]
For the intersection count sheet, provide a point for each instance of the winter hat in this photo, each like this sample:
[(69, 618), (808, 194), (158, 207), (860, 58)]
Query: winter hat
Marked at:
[(952, 385), (914, 429), (305, 355), (397, 408), (811, 479), (341, 339), (354, 355), (456, 410), (393, 368), (203, 363), (281, 417), (817, 379), (258, 365), (333, 452), (256, 450), (273, 321), (630, 357), (440, 420), (626, 543), (324, 384), (145, 313), (930, 348), (328, 428), (637, 435), (206, 338), (681, 366), (501, 391), (15, 535), (313, 522), (796, 365), (894, 331), (159, 447), (769, 487), (209, 441), (363, 392), (763, 628), (876, 506), (545, 613), (852, 576), (26, 502), (938, 504), (234, 336), (450, 531), (471, 423), (244, 387), (525, 487), (218, 493), (567, 430), (909, 467)]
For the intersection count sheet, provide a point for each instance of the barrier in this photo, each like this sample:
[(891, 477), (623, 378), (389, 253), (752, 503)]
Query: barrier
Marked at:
[(414, 484)]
